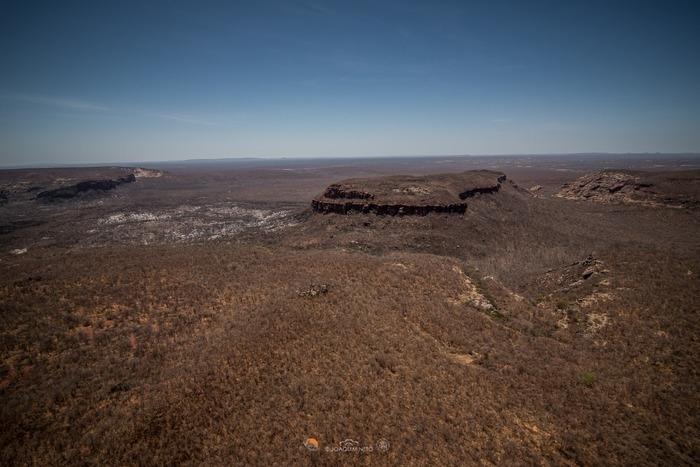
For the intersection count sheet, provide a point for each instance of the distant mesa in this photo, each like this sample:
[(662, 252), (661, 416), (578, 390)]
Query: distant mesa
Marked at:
[(72, 191), (407, 195), (70, 183)]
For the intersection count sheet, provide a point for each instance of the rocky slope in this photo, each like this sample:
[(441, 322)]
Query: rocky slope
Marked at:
[(631, 187), (408, 195), (47, 185), (72, 191)]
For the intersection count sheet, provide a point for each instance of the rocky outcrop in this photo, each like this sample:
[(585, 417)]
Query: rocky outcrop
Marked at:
[(483, 190), (603, 186), (314, 290), (336, 192), (408, 195), (140, 172), (72, 191), (628, 187)]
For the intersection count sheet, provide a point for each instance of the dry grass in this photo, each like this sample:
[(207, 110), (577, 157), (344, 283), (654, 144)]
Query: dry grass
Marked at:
[(209, 355)]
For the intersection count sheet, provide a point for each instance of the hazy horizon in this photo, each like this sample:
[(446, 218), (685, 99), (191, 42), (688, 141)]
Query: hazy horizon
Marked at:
[(168, 81), (234, 159)]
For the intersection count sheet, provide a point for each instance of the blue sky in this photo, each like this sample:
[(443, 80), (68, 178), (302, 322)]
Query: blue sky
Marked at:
[(136, 81)]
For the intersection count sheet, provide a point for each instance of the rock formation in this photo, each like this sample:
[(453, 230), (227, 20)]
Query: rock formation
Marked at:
[(407, 195), (629, 187), (72, 191)]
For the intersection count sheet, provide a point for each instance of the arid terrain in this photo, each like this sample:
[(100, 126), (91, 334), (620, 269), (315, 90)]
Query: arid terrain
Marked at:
[(411, 311)]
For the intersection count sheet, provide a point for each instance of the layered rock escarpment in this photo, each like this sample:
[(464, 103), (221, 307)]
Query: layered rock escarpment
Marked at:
[(408, 195), (72, 191)]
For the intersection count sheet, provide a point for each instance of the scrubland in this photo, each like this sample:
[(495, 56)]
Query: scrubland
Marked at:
[(529, 330)]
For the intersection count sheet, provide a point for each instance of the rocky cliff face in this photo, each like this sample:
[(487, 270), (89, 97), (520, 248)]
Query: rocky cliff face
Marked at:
[(406, 195), (492, 188), (336, 192), (72, 191), (386, 209)]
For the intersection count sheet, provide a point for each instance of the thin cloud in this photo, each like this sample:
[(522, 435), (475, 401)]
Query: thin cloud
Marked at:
[(63, 102), (78, 104), (183, 119)]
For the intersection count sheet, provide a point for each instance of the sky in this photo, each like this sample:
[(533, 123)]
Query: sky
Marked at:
[(94, 81)]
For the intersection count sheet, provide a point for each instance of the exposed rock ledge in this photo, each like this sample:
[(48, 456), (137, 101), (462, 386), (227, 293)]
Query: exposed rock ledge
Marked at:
[(408, 195), (72, 191)]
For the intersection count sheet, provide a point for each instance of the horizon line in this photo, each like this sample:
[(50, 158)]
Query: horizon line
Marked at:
[(143, 163)]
